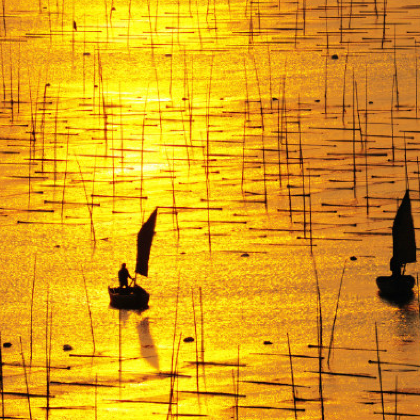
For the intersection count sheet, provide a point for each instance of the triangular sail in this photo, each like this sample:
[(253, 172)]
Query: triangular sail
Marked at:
[(403, 236), (144, 243)]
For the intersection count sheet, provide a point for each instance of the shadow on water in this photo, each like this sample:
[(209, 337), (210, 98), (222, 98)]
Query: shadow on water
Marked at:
[(406, 315), (127, 312), (147, 346), (402, 301), (124, 316)]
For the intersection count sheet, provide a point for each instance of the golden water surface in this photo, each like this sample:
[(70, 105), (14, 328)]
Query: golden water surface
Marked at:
[(276, 139)]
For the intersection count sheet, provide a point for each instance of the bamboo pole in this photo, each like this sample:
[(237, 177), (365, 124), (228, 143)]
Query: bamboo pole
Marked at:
[(335, 316), (292, 376), (379, 372), (26, 378)]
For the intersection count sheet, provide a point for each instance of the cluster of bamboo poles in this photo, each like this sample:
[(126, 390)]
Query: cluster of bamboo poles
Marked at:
[(275, 163)]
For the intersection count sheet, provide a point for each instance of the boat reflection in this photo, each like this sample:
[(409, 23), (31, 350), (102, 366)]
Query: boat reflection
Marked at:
[(124, 315), (405, 317), (147, 346), (399, 301)]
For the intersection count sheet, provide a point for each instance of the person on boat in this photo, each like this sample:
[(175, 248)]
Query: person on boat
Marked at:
[(395, 267), (123, 276)]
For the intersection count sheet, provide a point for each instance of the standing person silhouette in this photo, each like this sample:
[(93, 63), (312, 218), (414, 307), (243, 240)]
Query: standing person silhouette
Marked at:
[(123, 276)]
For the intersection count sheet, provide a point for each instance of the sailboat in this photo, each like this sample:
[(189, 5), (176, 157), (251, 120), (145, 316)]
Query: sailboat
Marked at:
[(404, 251), (134, 296)]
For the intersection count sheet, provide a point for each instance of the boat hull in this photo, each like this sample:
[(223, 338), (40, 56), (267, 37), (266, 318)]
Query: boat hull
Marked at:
[(128, 297), (396, 286)]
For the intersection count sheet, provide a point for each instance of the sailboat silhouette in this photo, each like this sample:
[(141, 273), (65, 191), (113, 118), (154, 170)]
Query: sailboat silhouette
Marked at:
[(135, 297), (404, 251)]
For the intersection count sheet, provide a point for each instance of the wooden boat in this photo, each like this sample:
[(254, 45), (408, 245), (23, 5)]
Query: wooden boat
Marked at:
[(134, 296), (396, 286), (399, 284)]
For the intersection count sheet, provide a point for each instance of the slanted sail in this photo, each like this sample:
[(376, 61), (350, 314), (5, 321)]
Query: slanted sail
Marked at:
[(403, 236), (144, 243)]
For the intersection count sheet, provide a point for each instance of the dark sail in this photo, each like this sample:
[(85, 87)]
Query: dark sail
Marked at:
[(144, 243), (403, 237)]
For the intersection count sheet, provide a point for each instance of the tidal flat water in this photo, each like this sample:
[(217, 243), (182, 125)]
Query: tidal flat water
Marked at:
[(277, 140)]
